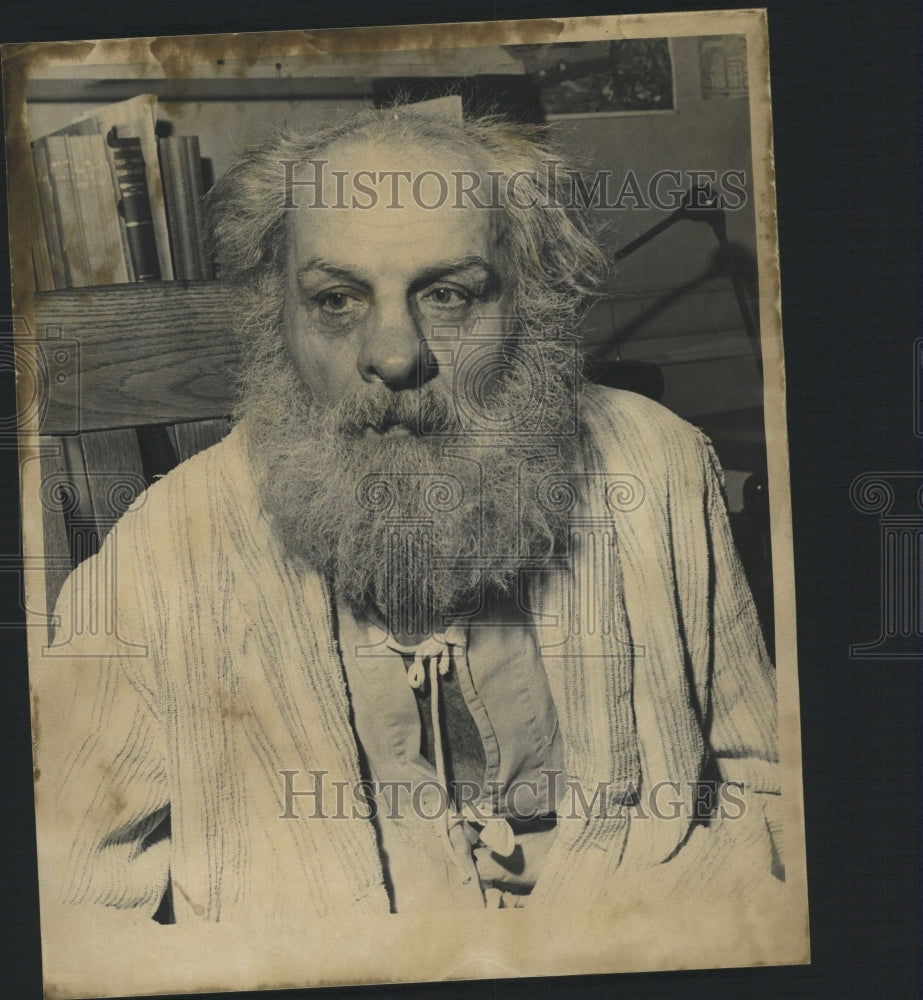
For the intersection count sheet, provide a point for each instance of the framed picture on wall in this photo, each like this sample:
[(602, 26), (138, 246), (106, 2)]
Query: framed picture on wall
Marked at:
[(621, 76)]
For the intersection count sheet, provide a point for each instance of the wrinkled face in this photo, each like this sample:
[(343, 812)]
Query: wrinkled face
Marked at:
[(369, 288), (408, 395)]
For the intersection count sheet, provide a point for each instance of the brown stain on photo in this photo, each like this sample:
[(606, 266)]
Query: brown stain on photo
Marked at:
[(181, 56), (234, 712), (117, 803), (197, 908), (446, 35), (178, 56)]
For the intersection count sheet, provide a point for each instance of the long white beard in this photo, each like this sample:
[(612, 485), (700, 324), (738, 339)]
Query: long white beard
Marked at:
[(406, 510)]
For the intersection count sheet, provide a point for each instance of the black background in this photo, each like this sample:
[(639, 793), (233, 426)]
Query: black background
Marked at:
[(846, 108)]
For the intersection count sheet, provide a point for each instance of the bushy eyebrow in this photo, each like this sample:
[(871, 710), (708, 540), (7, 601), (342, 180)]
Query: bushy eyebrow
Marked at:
[(320, 264), (434, 272), (444, 269)]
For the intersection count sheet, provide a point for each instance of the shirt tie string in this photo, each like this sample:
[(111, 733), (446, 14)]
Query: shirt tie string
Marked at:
[(493, 831)]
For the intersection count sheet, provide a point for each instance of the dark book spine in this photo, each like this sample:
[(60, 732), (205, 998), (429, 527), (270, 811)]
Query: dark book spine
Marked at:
[(180, 211), (135, 205), (197, 189)]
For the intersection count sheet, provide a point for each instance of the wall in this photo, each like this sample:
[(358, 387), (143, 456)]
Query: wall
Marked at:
[(699, 340)]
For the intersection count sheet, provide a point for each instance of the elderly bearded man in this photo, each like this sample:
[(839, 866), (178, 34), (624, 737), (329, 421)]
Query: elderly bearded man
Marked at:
[(436, 626)]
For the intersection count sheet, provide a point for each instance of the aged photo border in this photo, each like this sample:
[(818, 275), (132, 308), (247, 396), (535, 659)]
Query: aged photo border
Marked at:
[(779, 360)]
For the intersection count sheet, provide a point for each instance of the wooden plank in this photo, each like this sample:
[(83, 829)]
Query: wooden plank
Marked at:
[(190, 439), (114, 475), (79, 518), (55, 548), (147, 353)]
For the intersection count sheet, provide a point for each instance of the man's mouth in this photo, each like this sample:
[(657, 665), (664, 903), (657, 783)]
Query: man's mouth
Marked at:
[(389, 426), (403, 417), (393, 429)]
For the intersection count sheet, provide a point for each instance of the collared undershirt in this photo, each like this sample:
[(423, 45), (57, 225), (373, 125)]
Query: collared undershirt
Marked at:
[(498, 734)]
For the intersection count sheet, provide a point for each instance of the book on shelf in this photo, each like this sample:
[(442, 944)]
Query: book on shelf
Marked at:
[(67, 214), (193, 167), (134, 204), (41, 260), (102, 213), (181, 170), (46, 233), (98, 207)]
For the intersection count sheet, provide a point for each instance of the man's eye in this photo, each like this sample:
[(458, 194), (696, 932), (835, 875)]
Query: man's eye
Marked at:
[(337, 303), (447, 296)]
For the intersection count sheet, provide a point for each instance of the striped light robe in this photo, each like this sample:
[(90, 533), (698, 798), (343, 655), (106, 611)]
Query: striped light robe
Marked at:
[(217, 668)]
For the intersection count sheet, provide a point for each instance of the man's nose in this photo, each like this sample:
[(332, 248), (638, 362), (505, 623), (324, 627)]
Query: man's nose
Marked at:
[(395, 351)]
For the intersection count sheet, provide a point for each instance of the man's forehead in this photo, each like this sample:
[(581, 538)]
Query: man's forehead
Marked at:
[(383, 173), (386, 156), (411, 199)]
